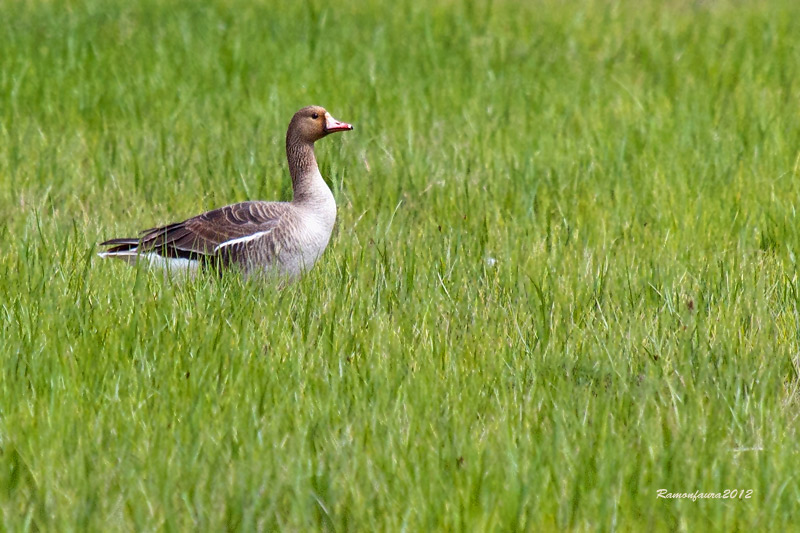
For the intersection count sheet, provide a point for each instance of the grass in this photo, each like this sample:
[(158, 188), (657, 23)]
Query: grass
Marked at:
[(564, 273)]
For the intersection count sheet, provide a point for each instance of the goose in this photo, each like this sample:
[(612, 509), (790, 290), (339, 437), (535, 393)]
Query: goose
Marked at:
[(257, 237)]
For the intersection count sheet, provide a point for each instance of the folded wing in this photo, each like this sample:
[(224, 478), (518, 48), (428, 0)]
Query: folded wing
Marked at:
[(228, 233)]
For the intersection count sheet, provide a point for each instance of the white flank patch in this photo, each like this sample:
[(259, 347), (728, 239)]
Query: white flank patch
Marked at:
[(242, 240), (171, 264)]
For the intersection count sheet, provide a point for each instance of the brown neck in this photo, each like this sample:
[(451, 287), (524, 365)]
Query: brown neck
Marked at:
[(302, 167)]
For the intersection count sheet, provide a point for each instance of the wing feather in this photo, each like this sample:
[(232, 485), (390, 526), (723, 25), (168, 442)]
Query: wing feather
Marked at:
[(202, 236)]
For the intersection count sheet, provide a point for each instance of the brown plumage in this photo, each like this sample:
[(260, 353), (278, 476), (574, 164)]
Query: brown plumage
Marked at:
[(270, 237)]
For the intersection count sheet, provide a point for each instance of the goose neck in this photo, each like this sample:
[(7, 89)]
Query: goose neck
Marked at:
[(306, 179)]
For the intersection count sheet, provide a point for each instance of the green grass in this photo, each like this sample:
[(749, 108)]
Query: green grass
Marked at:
[(632, 168)]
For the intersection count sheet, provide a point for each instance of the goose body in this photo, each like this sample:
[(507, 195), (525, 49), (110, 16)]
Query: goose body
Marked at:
[(274, 238)]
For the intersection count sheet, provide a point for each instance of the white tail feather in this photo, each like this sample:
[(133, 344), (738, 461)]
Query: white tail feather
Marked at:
[(171, 264)]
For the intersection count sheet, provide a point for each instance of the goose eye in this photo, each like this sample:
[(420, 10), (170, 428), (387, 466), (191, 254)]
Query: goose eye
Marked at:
[(315, 116)]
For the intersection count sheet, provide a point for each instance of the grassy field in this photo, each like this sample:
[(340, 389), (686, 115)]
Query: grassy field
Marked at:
[(564, 274)]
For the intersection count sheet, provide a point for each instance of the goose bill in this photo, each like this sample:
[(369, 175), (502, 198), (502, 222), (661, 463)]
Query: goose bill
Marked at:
[(331, 124)]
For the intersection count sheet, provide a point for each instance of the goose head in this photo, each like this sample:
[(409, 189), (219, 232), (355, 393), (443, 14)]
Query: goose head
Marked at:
[(312, 123)]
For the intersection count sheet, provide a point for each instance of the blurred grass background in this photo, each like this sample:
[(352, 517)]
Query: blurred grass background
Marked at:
[(563, 275)]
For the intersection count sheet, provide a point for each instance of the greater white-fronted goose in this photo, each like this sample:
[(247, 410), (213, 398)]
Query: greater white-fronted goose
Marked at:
[(274, 238)]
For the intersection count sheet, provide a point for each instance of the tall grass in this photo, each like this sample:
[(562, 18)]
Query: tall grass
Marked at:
[(563, 276)]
